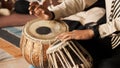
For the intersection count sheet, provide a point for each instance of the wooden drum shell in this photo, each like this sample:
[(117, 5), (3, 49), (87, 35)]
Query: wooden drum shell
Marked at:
[(34, 46)]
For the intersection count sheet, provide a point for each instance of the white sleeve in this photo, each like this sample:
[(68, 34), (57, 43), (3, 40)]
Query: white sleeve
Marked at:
[(91, 15), (117, 24), (69, 7), (109, 28)]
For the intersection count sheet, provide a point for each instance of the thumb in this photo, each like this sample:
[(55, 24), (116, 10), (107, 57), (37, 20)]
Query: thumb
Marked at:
[(46, 3)]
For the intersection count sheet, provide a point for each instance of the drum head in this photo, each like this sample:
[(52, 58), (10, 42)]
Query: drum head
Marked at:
[(44, 29)]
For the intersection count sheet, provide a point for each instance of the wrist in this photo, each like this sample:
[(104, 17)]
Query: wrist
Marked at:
[(91, 33), (96, 32), (94, 29), (51, 15)]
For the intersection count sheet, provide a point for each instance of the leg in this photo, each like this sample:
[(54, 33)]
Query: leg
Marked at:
[(113, 62)]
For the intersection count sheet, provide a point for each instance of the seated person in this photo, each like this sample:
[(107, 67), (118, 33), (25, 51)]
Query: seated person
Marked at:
[(18, 16), (93, 45)]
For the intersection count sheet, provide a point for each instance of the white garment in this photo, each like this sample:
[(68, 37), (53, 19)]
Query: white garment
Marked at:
[(32, 0), (69, 7), (110, 26), (92, 15)]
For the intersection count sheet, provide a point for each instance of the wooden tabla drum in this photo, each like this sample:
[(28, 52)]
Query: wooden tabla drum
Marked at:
[(37, 36), (68, 54)]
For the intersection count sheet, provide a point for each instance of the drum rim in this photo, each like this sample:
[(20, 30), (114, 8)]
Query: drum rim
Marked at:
[(37, 39)]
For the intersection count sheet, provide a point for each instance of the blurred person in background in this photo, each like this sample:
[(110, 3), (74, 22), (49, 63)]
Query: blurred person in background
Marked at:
[(14, 13)]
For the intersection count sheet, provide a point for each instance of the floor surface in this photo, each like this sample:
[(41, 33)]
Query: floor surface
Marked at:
[(15, 63)]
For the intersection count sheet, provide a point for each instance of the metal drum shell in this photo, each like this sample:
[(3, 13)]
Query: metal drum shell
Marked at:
[(69, 54)]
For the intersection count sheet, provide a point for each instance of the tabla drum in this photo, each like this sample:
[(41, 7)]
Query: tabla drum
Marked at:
[(37, 36), (68, 54)]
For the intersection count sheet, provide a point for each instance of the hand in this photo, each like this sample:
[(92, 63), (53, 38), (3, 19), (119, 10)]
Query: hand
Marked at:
[(40, 11), (77, 35)]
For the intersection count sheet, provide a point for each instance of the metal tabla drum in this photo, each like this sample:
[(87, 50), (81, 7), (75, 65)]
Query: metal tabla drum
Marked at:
[(37, 36), (68, 54)]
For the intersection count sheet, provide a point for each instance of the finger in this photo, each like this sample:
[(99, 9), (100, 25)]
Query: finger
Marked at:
[(32, 7), (65, 36), (60, 36), (38, 13), (38, 8), (46, 4), (34, 3), (31, 12), (66, 39)]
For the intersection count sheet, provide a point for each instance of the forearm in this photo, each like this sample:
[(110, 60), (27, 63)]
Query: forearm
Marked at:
[(93, 30), (82, 34)]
